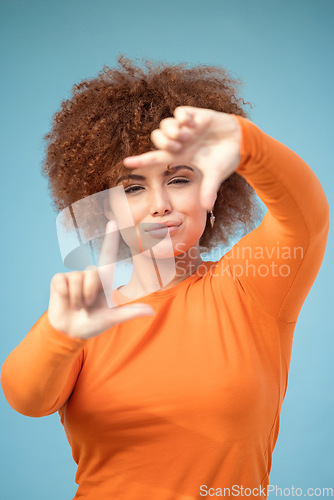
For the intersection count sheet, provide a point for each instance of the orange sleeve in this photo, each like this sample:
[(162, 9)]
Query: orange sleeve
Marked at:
[(277, 263), (39, 374)]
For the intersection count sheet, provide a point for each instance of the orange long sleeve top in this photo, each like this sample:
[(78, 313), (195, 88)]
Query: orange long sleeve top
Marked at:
[(186, 404)]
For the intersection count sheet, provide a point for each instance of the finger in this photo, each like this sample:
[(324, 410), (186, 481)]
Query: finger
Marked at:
[(59, 284), (209, 188), (149, 159), (109, 248), (107, 318), (172, 129), (108, 259), (74, 281), (132, 311), (186, 115), (91, 286), (162, 141)]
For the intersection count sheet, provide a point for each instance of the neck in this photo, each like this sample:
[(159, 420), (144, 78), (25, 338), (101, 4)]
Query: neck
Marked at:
[(150, 274)]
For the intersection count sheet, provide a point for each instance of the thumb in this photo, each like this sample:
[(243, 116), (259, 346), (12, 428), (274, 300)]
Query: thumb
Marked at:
[(128, 312), (210, 184)]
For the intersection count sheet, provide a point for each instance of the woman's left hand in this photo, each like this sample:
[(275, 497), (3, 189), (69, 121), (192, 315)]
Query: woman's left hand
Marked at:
[(203, 138)]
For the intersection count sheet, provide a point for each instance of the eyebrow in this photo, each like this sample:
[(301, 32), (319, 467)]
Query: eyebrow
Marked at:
[(169, 171)]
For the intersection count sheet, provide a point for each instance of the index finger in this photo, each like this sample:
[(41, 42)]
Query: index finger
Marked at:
[(108, 259), (109, 248), (150, 159)]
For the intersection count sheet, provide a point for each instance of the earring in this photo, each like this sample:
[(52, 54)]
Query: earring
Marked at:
[(212, 218)]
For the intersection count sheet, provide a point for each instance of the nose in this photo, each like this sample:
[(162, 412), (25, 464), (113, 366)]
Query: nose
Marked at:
[(160, 203)]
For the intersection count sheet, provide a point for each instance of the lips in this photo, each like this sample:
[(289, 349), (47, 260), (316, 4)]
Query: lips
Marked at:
[(161, 229), (162, 225)]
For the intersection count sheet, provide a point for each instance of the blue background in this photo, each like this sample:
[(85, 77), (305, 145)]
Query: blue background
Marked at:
[(283, 52)]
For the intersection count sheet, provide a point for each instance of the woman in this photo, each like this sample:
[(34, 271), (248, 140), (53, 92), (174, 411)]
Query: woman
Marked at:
[(178, 398)]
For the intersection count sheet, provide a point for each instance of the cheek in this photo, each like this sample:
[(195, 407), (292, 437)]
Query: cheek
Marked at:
[(122, 209), (138, 211), (132, 239), (197, 216)]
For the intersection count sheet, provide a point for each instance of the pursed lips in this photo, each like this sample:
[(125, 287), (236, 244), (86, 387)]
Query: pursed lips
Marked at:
[(164, 227)]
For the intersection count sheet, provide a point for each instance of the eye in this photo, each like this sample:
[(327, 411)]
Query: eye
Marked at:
[(179, 180), (133, 189)]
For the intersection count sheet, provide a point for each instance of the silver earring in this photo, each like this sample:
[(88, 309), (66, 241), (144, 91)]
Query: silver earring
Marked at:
[(212, 218)]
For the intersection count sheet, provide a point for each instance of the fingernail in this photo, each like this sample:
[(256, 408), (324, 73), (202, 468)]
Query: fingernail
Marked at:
[(111, 226), (190, 120)]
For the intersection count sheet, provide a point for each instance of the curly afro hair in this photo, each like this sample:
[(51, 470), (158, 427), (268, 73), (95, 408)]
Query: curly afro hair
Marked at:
[(112, 116)]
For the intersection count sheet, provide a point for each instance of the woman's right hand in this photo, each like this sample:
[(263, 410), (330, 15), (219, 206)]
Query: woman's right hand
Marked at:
[(78, 306)]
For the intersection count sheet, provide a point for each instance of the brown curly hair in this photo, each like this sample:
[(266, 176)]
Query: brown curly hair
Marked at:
[(112, 116)]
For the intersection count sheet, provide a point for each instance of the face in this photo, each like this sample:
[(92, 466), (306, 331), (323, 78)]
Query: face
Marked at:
[(165, 202)]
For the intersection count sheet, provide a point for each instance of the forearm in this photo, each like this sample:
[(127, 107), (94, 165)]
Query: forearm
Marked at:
[(39, 374), (284, 182), (284, 253)]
